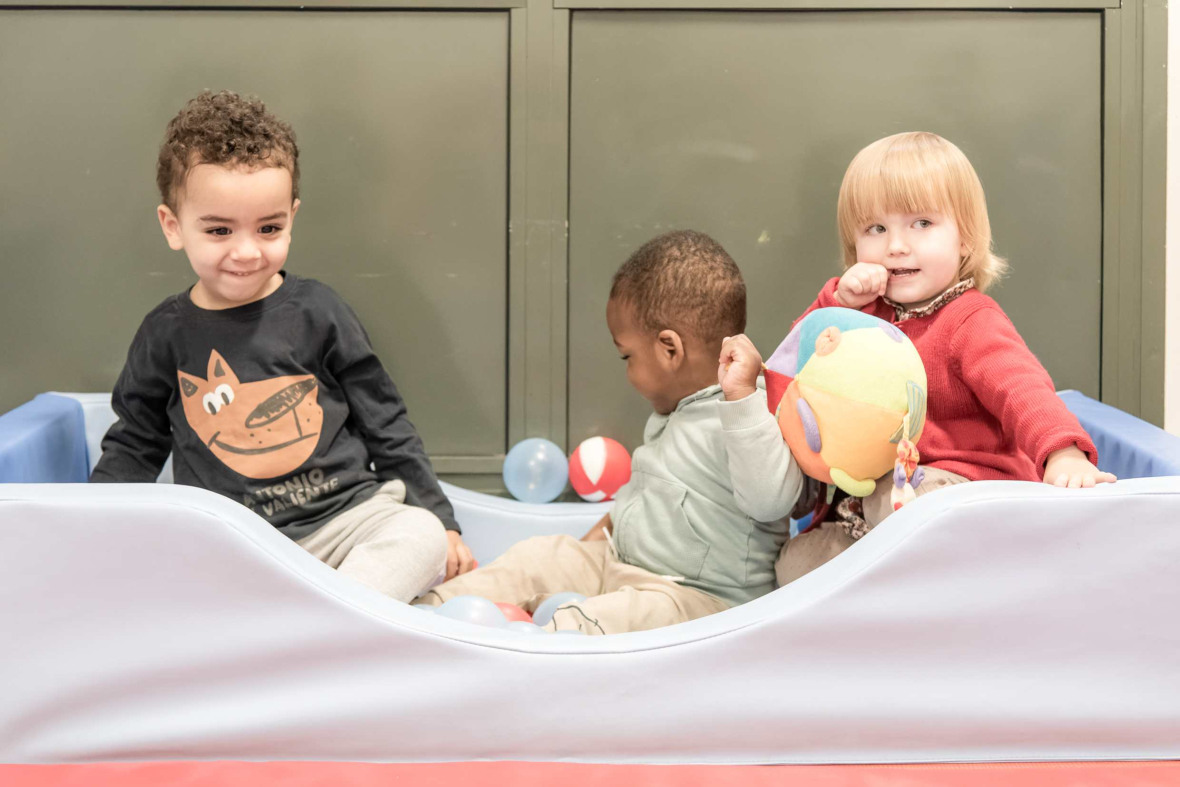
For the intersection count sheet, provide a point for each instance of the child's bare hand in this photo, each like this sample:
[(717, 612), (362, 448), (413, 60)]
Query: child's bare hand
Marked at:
[(738, 367), (1069, 467), (459, 557), (861, 284)]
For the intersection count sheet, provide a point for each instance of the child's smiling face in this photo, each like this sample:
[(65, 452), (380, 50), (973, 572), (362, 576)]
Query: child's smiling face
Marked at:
[(922, 251), (235, 226)]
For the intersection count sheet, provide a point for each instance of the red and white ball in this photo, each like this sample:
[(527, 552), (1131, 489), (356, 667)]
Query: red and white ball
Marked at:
[(598, 467)]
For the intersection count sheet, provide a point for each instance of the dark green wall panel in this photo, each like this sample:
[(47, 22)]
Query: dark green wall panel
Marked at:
[(402, 120), (741, 125)]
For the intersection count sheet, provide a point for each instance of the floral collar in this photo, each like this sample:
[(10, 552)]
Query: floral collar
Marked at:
[(949, 295)]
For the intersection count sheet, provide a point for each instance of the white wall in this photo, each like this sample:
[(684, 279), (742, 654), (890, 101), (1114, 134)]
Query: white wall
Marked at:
[(1172, 337)]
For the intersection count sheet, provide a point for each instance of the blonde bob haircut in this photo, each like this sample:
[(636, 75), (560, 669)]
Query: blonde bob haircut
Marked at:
[(915, 172)]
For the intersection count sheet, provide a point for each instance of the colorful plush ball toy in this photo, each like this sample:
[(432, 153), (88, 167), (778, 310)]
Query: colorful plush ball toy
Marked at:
[(599, 467), (849, 392)]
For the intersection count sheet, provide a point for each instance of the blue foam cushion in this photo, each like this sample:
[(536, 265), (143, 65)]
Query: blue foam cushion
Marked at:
[(1127, 446), (44, 441)]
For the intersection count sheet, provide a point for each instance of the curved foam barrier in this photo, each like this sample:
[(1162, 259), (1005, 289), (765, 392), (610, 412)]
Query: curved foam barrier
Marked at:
[(492, 524), (988, 621)]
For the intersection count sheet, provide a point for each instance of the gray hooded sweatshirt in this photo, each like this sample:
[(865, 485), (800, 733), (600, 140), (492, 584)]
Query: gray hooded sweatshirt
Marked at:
[(710, 491)]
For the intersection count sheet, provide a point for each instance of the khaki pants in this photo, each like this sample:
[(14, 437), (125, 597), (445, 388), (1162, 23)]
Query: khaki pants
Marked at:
[(395, 548), (817, 546), (620, 597)]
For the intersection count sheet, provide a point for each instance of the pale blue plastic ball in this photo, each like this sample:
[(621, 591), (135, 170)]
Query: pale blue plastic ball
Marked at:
[(536, 470), (524, 627), (545, 610), (473, 609)]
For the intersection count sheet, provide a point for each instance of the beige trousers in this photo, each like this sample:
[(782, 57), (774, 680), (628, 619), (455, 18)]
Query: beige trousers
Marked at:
[(817, 546), (620, 597), (395, 548)]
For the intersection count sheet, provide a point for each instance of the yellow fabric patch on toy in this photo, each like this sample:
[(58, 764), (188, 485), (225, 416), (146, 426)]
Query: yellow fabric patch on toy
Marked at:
[(849, 393)]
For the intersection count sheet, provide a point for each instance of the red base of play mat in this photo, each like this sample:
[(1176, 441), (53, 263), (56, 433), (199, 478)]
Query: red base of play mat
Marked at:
[(524, 774)]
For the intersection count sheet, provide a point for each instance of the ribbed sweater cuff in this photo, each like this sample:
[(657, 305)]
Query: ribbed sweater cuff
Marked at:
[(1057, 442), (744, 413)]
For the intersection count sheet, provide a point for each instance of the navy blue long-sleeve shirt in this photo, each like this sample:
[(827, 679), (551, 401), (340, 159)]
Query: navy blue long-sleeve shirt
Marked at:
[(280, 404)]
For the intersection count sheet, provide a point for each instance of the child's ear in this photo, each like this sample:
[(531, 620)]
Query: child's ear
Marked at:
[(670, 347), (294, 209), (170, 226)]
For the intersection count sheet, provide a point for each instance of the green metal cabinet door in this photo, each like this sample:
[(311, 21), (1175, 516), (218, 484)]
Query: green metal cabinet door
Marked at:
[(741, 125), (402, 121)]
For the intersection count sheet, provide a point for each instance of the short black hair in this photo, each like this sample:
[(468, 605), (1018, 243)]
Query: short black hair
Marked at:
[(228, 129), (683, 280)]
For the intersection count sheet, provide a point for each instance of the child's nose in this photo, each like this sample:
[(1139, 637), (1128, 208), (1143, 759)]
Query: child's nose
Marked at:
[(897, 244), (246, 250)]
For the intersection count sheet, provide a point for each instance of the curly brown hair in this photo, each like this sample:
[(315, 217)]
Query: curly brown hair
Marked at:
[(683, 280), (223, 128)]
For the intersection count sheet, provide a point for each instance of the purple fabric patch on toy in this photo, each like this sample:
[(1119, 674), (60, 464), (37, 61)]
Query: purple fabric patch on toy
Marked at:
[(785, 360), (893, 332), (916, 478), (810, 427)]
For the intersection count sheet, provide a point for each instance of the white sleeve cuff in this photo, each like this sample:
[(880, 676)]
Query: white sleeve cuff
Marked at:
[(744, 413)]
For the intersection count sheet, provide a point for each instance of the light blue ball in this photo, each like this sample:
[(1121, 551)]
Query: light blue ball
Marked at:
[(524, 627), (473, 609), (545, 610), (536, 470)]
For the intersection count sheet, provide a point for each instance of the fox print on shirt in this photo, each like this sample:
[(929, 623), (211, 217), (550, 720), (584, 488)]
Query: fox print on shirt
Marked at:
[(259, 429)]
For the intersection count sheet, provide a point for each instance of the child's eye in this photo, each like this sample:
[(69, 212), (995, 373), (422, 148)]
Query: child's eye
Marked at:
[(219, 231), (874, 229), (270, 229), (624, 357), (923, 223)]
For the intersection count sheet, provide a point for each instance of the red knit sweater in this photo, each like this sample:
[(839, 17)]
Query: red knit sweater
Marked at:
[(992, 411)]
